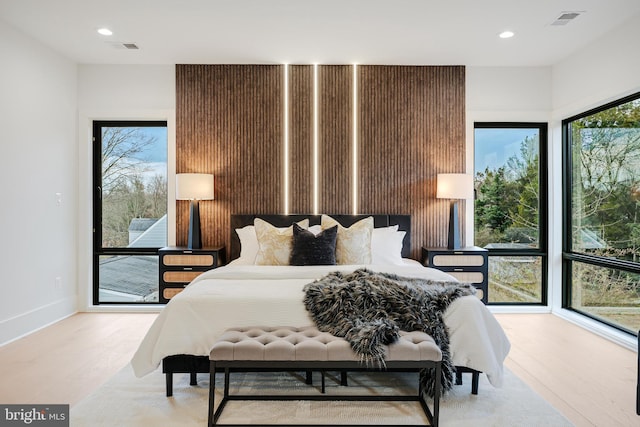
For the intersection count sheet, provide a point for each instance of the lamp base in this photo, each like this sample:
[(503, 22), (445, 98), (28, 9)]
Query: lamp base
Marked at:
[(195, 238), (453, 242)]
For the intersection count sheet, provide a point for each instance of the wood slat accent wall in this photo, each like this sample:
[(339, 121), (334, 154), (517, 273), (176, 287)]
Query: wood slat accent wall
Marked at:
[(300, 138), (229, 123), (335, 88), (411, 127)]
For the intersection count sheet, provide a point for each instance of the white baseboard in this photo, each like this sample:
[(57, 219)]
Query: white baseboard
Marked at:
[(621, 338), (27, 323)]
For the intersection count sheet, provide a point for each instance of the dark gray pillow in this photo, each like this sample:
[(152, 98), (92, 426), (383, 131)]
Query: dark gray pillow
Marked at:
[(309, 249)]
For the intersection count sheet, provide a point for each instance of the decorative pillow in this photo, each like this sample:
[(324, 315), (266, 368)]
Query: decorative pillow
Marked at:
[(315, 229), (248, 245), (274, 242), (353, 245), (386, 246), (310, 249)]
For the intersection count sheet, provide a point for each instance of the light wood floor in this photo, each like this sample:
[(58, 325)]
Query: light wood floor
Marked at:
[(589, 379)]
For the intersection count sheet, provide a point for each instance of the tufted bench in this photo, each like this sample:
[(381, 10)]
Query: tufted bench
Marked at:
[(306, 349)]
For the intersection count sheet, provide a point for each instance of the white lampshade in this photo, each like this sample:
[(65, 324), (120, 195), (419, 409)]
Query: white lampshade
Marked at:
[(194, 186), (454, 186)]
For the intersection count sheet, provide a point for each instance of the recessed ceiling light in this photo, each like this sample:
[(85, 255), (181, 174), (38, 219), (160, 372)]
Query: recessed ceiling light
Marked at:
[(105, 31), (506, 34)]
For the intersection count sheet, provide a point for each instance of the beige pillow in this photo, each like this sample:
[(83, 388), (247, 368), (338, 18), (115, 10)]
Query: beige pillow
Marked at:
[(274, 243), (353, 245)]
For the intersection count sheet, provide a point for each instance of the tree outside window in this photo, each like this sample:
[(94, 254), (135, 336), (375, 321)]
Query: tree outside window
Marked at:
[(508, 213), (605, 213)]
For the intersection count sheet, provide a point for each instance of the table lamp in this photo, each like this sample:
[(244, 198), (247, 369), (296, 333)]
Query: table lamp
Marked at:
[(454, 186), (194, 187)]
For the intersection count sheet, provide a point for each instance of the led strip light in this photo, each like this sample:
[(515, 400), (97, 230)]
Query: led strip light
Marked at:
[(286, 139), (315, 139), (355, 139)]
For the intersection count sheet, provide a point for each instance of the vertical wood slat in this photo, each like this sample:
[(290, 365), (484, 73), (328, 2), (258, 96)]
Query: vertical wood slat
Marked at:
[(335, 138), (229, 123), (411, 127), (301, 138)]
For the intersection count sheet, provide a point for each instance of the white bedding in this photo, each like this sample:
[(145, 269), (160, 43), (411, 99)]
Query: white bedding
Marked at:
[(242, 295)]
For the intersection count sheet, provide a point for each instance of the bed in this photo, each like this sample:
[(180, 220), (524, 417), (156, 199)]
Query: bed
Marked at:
[(242, 294)]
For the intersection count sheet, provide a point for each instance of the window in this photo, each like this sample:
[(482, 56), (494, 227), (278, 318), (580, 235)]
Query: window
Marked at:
[(601, 247), (130, 209), (510, 209)]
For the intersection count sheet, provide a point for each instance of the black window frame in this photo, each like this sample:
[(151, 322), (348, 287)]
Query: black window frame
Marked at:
[(98, 250), (543, 220), (568, 255)]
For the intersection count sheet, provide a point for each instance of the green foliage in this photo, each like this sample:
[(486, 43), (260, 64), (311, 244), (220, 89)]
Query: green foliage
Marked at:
[(491, 209), (507, 208), (606, 180)]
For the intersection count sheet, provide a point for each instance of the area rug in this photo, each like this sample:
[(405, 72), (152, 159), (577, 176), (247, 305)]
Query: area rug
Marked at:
[(129, 401)]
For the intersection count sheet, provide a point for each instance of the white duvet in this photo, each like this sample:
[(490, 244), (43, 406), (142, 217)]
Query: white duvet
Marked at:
[(241, 295)]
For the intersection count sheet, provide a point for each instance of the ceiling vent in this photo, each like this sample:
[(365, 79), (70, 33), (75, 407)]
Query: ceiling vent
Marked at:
[(566, 17), (120, 45)]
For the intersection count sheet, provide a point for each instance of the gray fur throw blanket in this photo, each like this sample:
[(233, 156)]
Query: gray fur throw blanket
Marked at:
[(368, 309)]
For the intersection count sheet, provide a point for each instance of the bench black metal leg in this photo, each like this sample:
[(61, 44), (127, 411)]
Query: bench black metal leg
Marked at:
[(343, 378), (169, 384), (194, 378), (212, 394), (436, 396), (309, 377)]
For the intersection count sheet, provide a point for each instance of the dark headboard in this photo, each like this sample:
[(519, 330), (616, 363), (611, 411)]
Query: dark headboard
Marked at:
[(239, 221)]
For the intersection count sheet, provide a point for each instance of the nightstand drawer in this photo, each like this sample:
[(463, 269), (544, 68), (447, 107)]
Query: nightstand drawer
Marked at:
[(468, 276), (179, 266), (180, 276), (168, 293), (468, 265), (458, 260), (192, 260)]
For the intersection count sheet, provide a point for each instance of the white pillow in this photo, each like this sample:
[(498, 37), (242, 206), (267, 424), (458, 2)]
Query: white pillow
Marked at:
[(248, 245), (386, 246)]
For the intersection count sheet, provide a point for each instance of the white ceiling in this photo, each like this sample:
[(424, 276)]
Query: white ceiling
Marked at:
[(461, 32)]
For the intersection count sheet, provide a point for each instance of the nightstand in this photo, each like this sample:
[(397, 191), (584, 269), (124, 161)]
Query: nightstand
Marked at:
[(179, 266), (468, 265)]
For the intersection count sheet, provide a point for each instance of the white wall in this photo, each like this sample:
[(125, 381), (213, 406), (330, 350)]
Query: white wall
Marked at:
[(604, 71), (38, 159), (507, 94), (118, 92)]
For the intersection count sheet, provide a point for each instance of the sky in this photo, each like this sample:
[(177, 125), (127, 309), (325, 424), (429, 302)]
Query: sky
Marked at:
[(494, 146), (158, 151), (154, 156)]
